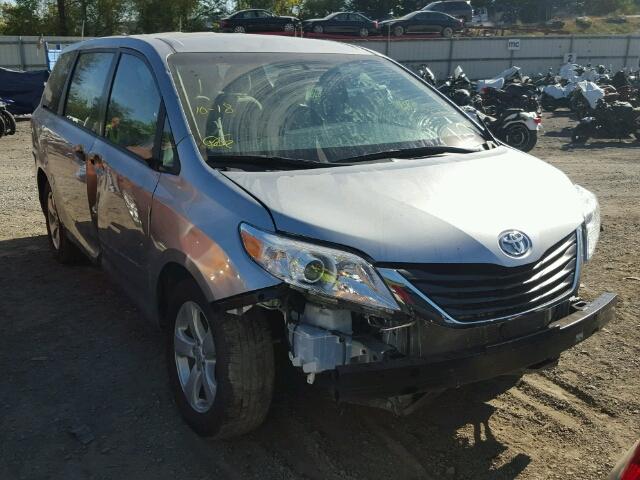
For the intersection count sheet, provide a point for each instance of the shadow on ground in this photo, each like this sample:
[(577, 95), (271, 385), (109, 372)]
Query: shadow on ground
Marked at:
[(84, 395)]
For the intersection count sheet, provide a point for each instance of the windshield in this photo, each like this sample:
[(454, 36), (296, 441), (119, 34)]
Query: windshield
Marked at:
[(317, 107)]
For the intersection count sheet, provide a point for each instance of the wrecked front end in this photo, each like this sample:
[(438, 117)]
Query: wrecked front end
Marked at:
[(390, 335)]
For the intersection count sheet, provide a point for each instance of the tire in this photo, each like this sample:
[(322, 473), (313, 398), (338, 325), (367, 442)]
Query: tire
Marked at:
[(289, 27), (9, 121), (241, 377), (239, 29), (364, 32), (64, 251), (580, 135), (3, 127), (447, 32), (519, 136), (318, 29), (398, 30)]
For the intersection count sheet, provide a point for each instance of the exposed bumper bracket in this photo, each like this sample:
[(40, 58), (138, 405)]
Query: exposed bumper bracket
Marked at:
[(411, 375)]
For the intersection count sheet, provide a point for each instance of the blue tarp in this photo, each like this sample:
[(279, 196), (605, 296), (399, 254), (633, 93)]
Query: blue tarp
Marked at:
[(22, 90)]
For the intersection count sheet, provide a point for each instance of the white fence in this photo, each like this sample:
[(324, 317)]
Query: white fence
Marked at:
[(27, 53), (485, 57), (480, 57)]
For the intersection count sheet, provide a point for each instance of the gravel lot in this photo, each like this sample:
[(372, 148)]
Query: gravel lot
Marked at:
[(84, 394)]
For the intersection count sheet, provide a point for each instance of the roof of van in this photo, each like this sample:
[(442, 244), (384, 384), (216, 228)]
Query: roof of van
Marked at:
[(232, 42)]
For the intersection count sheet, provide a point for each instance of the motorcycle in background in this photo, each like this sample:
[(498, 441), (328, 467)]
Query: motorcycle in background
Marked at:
[(7, 120), (427, 75), (617, 120), (515, 127)]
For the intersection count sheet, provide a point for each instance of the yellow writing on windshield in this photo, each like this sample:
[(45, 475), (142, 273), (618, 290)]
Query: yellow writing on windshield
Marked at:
[(213, 141), (224, 108)]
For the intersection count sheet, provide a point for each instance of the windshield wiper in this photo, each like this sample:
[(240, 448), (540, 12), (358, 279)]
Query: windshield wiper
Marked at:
[(264, 162), (417, 152)]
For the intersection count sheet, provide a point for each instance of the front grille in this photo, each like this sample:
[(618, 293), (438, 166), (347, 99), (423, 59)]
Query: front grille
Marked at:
[(477, 292)]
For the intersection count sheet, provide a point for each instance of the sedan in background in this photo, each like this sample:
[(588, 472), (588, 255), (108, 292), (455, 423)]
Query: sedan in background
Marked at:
[(342, 22), (456, 8), (257, 20), (423, 22)]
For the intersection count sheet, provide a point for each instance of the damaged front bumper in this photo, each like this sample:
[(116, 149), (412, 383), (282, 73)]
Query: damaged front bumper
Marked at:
[(403, 376)]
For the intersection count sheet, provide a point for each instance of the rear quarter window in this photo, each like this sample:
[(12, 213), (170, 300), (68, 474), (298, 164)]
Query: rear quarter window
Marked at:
[(53, 90), (86, 96)]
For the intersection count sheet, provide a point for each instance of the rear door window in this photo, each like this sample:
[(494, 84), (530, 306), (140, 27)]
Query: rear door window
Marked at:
[(55, 85), (134, 106), (87, 90)]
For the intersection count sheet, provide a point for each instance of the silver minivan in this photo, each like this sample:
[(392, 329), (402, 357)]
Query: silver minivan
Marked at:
[(257, 196)]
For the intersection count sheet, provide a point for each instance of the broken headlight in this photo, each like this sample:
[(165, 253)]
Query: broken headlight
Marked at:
[(321, 271), (591, 212)]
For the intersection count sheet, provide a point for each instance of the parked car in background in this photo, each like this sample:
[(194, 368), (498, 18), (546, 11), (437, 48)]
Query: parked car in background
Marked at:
[(258, 20), (342, 22), (456, 8), (423, 22)]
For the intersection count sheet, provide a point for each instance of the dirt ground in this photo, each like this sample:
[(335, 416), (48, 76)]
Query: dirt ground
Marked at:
[(83, 390)]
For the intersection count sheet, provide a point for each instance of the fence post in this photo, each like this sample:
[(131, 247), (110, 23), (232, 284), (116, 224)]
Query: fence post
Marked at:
[(23, 61), (626, 53), (388, 40), (570, 45), (450, 62)]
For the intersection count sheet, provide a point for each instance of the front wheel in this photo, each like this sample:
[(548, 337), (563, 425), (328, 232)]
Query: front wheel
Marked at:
[(447, 32), (519, 136), (9, 122), (398, 31), (221, 366), (289, 27), (318, 29), (239, 29)]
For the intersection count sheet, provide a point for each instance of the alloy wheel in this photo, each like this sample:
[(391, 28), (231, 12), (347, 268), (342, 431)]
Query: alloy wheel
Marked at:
[(239, 29), (195, 356), (289, 27)]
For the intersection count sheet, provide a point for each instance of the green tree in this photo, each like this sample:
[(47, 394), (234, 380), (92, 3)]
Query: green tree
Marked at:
[(24, 17)]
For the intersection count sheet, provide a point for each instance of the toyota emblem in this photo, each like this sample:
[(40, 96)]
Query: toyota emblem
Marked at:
[(514, 243)]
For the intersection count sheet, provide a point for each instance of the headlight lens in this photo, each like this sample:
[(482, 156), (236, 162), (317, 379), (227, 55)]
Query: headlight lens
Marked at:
[(319, 270), (591, 212)]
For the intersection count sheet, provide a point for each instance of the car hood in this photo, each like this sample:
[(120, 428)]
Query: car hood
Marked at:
[(446, 209)]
